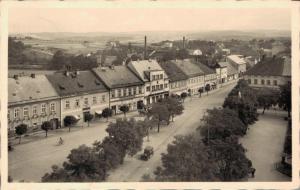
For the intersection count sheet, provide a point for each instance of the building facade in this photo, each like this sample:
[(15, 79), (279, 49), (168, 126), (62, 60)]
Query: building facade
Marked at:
[(125, 88), (156, 81), (210, 76), (238, 62), (32, 100), (81, 93)]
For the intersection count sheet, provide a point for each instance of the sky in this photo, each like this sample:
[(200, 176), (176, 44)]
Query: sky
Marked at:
[(82, 20)]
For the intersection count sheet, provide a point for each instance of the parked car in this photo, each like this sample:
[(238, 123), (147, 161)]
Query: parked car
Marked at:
[(148, 152)]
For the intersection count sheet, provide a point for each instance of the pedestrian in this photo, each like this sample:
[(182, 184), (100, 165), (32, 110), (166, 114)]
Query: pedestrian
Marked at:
[(253, 172)]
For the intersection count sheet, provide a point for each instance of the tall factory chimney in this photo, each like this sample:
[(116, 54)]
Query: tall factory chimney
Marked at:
[(183, 42), (145, 48)]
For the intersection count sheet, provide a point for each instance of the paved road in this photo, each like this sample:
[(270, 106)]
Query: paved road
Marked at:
[(32, 160), (264, 143)]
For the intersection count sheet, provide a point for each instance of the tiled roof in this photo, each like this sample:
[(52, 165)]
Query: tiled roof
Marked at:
[(84, 82), (237, 59), (117, 76), (205, 69), (139, 67), (189, 68), (173, 71), (272, 67), (29, 89), (230, 69)]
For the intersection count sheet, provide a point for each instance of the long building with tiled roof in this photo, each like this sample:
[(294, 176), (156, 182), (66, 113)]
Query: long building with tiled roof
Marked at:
[(270, 72), (125, 87)]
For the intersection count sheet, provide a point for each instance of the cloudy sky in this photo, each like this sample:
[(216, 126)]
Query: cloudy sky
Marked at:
[(27, 20)]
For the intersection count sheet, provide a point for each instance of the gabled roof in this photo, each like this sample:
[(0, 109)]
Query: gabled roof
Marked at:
[(205, 69), (140, 67), (74, 84), (230, 69), (28, 89), (173, 71), (189, 68), (237, 59), (117, 76), (271, 67)]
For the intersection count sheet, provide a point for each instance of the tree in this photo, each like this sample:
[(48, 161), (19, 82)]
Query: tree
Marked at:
[(88, 117), (221, 124), (200, 90), (266, 98), (174, 106), (106, 113), (124, 108), (285, 98), (21, 130), (70, 121), (46, 127), (126, 135), (83, 165), (159, 113), (187, 159), (183, 95), (207, 88)]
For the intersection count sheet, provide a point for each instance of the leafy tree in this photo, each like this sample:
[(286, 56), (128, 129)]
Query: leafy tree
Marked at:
[(46, 126), (187, 159), (159, 113), (174, 106), (266, 98), (229, 155), (21, 130), (285, 98), (70, 121), (126, 135), (124, 108), (207, 88), (83, 165), (106, 113), (88, 118), (221, 124), (183, 95), (200, 90)]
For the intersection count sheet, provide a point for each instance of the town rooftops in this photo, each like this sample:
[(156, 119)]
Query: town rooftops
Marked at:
[(272, 67), (236, 59), (189, 68), (230, 69), (27, 89), (117, 76), (173, 71), (205, 69), (143, 67), (73, 83)]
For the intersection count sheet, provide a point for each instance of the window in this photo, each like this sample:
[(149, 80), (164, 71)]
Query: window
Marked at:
[(153, 88), (263, 82), (268, 82), (119, 93), (125, 91), (275, 82), (103, 98), (94, 100), (52, 107), (86, 101), (255, 81), (161, 86), (166, 85), (25, 112), (77, 103), (161, 76), (148, 88), (17, 113), (140, 90), (8, 115), (113, 94), (134, 90), (34, 110), (249, 81), (67, 104), (129, 92), (43, 110)]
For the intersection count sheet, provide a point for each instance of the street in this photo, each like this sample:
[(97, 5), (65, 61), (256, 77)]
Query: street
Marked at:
[(264, 143), (30, 161)]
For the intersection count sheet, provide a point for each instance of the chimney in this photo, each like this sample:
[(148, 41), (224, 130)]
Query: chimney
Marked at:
[(183, 42), (16, 77), (32, 75), (145, 48)]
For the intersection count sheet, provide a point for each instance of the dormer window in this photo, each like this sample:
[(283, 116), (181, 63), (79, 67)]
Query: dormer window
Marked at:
[(61, 87), (80, 85)]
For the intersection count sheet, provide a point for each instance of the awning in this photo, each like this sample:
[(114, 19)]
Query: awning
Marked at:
[(99, 112)]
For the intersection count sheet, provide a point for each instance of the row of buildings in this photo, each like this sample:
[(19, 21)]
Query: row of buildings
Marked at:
[(35, 98)]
